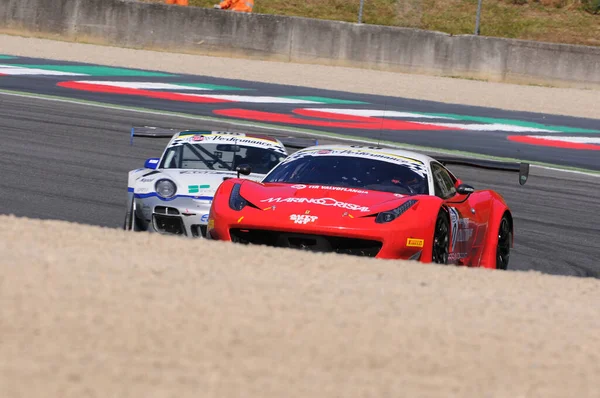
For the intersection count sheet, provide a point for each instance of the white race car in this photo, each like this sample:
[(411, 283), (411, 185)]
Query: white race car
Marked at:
[(173, 194)]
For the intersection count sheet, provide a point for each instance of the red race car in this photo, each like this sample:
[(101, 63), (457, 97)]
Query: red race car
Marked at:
[(369, 201)]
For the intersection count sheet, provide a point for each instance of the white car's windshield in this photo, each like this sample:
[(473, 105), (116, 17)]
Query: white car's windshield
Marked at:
[(355, 172), (220, 157)]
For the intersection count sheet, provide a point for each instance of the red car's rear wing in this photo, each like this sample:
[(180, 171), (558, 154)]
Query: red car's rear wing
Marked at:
[(518, 167)]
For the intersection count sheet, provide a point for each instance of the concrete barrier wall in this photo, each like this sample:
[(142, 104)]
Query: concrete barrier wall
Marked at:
[(216, 32)]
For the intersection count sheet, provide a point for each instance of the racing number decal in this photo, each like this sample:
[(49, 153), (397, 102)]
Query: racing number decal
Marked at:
[(454, 217), (462, 233)]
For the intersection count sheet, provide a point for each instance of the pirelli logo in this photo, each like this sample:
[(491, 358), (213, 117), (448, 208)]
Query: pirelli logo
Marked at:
[(410, 242)]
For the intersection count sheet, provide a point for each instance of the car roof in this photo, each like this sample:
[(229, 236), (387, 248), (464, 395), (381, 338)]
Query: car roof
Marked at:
[(408, 155)]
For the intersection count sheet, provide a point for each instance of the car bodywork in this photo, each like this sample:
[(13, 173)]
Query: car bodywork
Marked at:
[(173, 194), (383, 203)]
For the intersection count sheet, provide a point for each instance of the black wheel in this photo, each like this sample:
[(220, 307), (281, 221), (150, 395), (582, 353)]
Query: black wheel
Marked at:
[(128, 223), (131, 222), (504, 242), (441, 239)]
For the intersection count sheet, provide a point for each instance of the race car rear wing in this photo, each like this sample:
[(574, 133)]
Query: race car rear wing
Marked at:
[(517, 167), (159, 132), (153, 132)]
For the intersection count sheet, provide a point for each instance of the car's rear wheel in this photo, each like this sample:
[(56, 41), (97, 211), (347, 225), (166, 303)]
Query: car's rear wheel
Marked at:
[(441, 239), (504, 243)]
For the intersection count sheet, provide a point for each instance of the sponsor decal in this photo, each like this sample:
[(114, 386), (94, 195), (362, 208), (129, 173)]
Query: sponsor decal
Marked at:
[(146, 179), (460, 227), (303, 218), (464, 235), (456, 256), (319, 201), (329, 188), (197, 188), (413, 164), (454, 217), (412, 242), (204, 218), (206, 172), (229, 138)]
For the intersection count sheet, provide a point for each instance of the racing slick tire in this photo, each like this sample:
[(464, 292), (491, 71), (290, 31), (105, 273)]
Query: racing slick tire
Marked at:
[(504, 243), (131, 223), (128, 223), (441, 239)]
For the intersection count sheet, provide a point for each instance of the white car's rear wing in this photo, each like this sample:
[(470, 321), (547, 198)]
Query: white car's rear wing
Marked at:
[(160, 132)]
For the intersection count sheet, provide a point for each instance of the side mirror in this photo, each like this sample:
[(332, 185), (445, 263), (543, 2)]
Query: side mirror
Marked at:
[(151, 163), (465, 189), (244, 169), (458, 183)]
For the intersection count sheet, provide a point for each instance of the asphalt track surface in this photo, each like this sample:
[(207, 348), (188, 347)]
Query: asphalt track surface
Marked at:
[(491, 143), (70, 162)]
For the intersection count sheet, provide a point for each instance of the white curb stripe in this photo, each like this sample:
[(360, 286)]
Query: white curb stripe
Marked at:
[(493, 127), (12, 70), (376, 113), (575, 140), (258, 99), (143, 85)]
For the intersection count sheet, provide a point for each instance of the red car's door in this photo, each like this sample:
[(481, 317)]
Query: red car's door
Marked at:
[(467, 231)]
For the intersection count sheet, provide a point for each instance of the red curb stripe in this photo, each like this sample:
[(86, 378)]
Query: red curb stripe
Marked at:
[(100, 88), (339, 121), (524, 139), (383, 123)]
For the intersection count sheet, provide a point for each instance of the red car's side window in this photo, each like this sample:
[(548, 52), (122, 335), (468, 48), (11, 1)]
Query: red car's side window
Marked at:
[(442, 181)]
